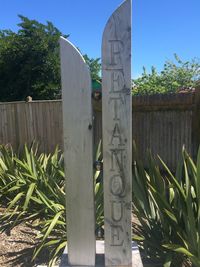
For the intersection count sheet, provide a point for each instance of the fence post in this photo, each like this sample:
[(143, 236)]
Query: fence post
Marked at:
[(196, 122)]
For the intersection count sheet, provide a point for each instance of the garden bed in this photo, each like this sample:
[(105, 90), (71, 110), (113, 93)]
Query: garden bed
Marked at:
[(17, 246)]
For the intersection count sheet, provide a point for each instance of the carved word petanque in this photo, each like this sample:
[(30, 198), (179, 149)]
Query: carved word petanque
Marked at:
[(117, 144)]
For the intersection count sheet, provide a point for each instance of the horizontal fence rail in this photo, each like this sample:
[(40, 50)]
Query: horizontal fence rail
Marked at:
[(161, 123)]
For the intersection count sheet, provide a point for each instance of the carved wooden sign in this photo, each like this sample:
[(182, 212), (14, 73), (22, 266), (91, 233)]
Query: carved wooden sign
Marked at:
[(117, 147), (117, 136)]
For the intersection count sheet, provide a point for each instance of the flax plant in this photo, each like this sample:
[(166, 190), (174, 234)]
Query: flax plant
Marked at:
[(32, 188), (27, 184), (54, 232), (168, 208)]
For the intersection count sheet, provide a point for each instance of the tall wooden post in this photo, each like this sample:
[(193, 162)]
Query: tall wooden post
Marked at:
[(78, 155), (117, 136)]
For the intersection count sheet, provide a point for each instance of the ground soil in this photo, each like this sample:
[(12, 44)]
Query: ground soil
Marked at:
[(17, 246)]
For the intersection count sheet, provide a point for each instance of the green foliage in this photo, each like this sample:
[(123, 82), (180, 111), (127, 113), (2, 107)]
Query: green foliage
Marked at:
[(30, 184), (174, 77), (30, 64), (32, 189), (29, 61), (167, 205), (95, 67), (168, 208), (98, 180)]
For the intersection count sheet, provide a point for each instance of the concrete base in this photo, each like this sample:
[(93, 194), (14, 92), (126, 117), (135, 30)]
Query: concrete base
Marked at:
[(100, 262)]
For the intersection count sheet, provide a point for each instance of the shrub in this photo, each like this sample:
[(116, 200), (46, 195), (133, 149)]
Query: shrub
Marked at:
[(32, 187), (175, 76), (166, 204), (30, 184), (168, 208)]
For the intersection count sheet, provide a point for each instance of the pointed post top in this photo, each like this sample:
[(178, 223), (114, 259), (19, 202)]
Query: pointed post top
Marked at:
[(117, 136)]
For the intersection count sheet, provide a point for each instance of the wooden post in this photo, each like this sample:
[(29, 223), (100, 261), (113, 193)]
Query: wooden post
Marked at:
[(196, 123), (78, 153), (117, 136)]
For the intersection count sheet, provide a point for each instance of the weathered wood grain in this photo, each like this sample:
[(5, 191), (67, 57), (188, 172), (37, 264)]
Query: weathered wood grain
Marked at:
[(78, 153), (151, 124), (117, 136)]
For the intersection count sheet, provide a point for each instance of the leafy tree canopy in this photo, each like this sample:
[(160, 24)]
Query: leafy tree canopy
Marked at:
[(176, 76), (29, 61), (95, 67)]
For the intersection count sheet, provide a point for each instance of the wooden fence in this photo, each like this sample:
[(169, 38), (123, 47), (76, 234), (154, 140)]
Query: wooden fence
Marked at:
[(22, 122), (162, 123)]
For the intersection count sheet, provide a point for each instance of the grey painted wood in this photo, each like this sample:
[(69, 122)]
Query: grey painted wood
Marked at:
[(78, 153), (117, 136), (100, 252)]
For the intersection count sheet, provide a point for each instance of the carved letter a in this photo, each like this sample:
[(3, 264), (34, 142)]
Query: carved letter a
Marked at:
[(116, 134)]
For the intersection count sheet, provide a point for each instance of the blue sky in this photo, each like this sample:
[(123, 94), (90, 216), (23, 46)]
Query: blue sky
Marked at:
[(160, 28)]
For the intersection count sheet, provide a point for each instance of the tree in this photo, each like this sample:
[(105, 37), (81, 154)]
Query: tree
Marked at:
[(30, 63), (94, 66), (174, 77)]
